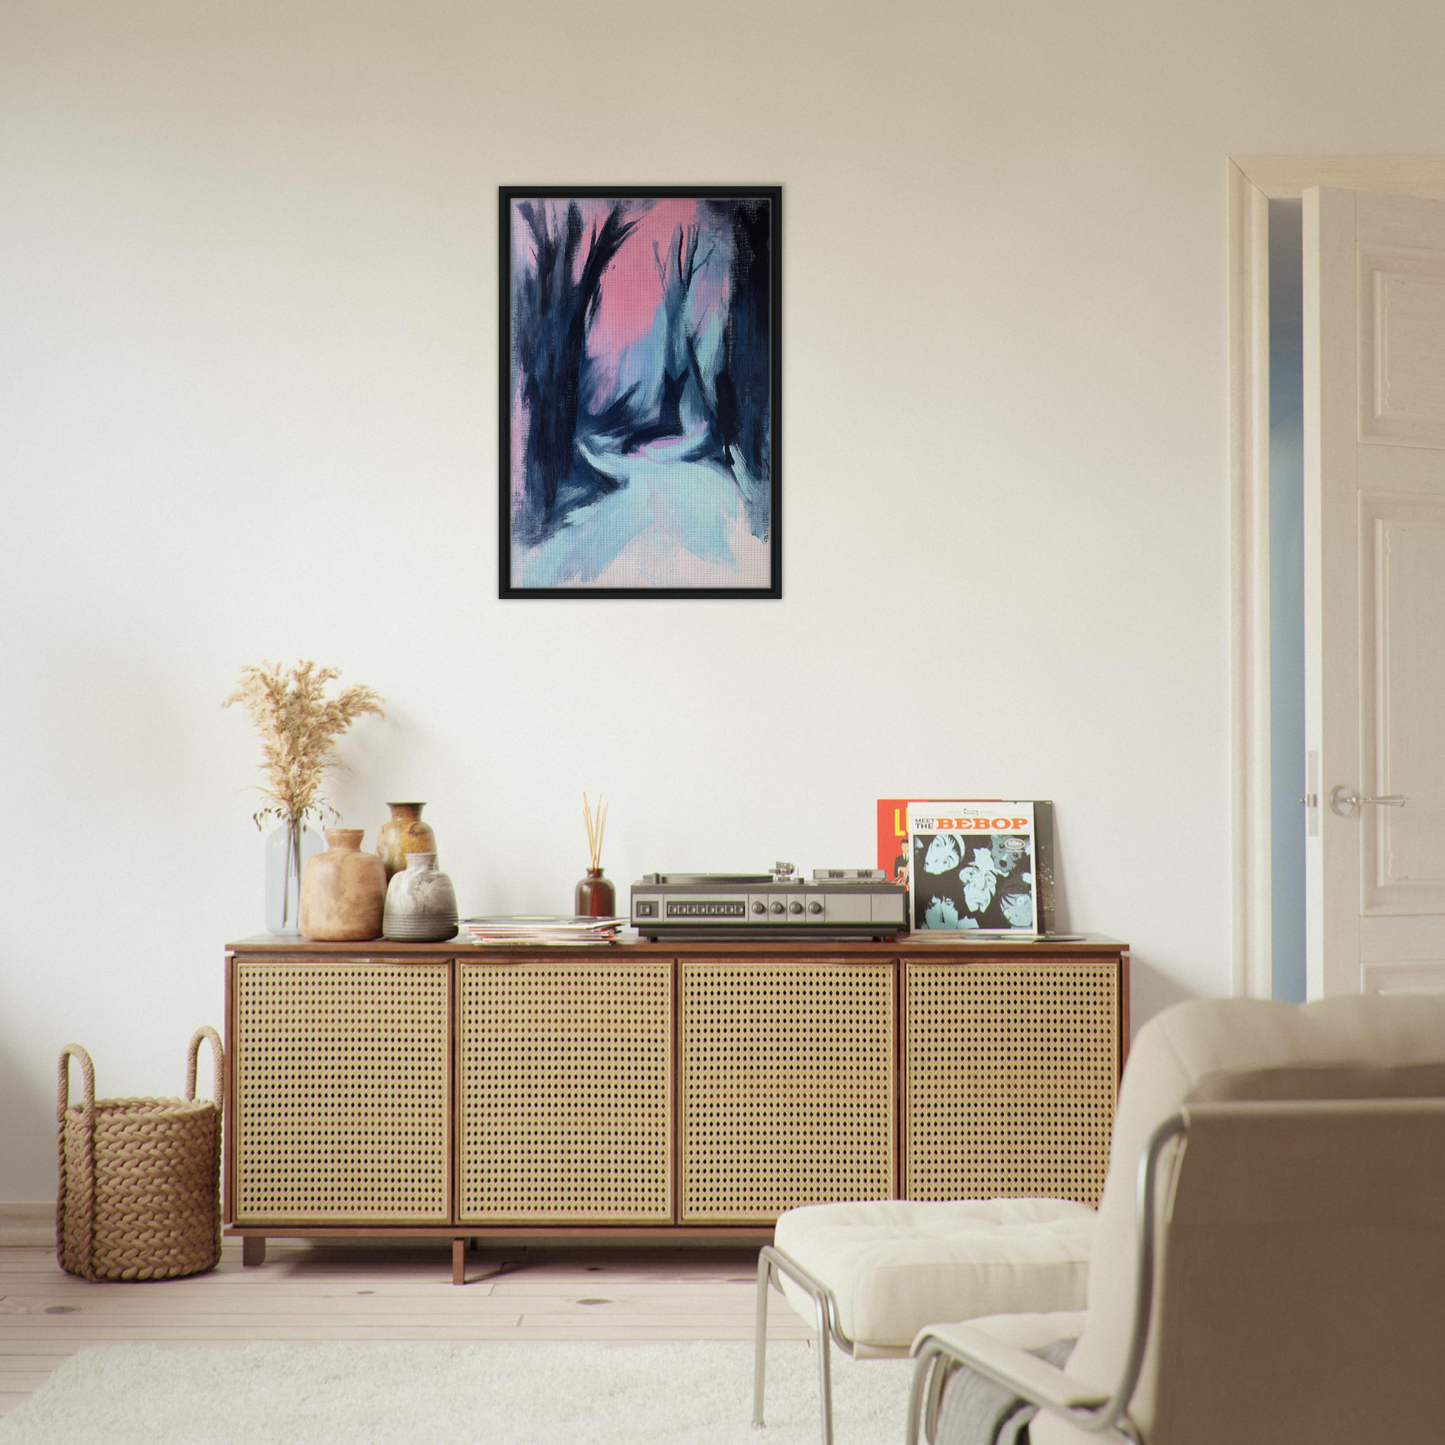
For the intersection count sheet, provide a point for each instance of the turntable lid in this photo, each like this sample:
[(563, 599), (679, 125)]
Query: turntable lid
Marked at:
[(703, 879)]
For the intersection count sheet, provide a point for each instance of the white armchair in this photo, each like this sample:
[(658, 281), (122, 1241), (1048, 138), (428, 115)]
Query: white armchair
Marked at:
[(1269, 1259)]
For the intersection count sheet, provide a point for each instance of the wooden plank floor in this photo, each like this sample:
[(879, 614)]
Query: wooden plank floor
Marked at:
[(381, 1292)]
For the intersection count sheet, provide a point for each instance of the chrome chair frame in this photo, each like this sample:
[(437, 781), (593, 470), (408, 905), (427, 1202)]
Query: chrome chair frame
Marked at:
[(771, 1264), (937, 1358)]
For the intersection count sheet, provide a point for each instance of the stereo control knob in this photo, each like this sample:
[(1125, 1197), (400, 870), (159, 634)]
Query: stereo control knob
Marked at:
[(777, 908), (815, 907), (795, 907), (759, 906)]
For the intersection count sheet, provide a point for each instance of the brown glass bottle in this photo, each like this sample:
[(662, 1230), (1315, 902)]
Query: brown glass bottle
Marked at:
[(595, 896)]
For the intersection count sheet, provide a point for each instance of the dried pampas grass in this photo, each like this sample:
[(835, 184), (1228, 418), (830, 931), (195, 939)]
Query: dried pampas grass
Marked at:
[(298, 724)]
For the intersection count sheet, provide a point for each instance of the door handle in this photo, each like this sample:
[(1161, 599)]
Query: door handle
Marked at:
[(1344, 800)]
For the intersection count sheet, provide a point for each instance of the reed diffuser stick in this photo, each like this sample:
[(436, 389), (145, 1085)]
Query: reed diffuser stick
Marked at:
[(596, 827)]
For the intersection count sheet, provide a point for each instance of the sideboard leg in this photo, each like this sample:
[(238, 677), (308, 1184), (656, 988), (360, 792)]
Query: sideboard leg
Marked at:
[(459, 1261), (253, 1249)]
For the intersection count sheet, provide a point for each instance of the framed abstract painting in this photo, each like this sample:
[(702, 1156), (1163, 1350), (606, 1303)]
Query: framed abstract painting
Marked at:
[(640, 389)]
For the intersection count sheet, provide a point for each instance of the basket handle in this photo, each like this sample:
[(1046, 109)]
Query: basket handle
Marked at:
[(218, 1055), (84, 1186), (87, 1070)]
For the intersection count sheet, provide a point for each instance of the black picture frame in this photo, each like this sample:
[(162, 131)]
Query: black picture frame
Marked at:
[(561, 507)]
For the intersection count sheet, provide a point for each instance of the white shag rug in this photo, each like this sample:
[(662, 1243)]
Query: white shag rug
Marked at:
[(479, 1394)]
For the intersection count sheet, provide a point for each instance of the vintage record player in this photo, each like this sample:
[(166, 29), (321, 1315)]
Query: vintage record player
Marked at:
[(834, 903)]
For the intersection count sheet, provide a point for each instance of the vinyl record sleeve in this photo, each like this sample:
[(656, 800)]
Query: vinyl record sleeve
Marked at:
[(898, 861)]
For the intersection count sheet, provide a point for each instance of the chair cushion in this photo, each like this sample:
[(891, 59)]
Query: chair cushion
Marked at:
[(896, 1265)]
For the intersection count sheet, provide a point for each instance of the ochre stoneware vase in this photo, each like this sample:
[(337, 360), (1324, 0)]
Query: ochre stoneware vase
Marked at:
[(343, 890), (404, 833)]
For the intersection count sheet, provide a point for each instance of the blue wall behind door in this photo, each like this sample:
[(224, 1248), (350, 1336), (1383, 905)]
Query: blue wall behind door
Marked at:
[(1286, 597)]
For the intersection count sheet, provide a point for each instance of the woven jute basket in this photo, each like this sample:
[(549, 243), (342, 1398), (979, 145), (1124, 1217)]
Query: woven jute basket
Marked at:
[(139, 1178)]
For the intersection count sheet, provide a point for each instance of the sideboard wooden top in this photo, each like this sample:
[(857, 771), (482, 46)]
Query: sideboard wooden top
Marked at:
[(905, 945)]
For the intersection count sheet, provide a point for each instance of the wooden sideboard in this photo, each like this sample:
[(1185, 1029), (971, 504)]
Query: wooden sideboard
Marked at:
[(657, 1091)]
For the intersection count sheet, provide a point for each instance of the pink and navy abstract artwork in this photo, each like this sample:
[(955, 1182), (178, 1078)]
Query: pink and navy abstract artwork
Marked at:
[(640, 354)]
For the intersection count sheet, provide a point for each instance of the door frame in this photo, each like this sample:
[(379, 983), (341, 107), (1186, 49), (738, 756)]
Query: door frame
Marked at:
[(1254, 181)]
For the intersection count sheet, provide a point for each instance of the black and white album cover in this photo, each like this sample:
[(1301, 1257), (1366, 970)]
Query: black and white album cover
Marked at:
[(974, 866)]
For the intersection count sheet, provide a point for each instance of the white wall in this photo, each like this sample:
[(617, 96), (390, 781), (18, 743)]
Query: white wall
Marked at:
[(248, 315)]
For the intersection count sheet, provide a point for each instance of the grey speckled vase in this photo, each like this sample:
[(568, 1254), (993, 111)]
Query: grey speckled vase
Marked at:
[(421, 904)]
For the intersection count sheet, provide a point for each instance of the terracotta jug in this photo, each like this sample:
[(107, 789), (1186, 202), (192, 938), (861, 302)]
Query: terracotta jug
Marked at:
[(343, 890), (404, 833)]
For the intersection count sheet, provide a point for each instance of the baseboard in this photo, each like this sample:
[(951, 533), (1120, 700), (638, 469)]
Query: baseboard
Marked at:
[(29, 1223)]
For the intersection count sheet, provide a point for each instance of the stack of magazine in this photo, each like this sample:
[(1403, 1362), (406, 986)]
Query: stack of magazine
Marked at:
[(533, 928)]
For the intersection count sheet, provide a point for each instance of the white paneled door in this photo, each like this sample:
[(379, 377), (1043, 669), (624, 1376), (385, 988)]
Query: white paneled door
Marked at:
[(1374, 281)]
